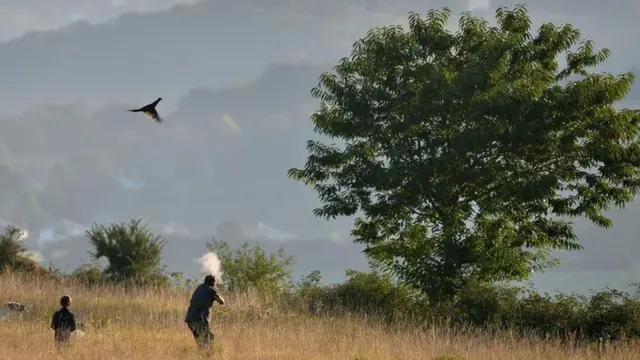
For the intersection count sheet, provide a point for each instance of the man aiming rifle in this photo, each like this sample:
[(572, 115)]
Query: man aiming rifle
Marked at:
[(199, 312)]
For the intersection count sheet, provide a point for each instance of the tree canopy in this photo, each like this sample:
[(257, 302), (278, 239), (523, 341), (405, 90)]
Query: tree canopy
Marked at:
[(466, 152), (134, 252)]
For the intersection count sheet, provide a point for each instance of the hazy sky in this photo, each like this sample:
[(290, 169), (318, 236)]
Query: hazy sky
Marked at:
[(19, 16), (122, 58), (606, 20)]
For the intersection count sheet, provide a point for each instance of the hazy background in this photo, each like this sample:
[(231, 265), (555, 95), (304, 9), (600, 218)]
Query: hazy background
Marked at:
[(235, 76)]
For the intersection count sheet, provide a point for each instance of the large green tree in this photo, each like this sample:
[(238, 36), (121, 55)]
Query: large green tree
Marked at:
[(465, 152)]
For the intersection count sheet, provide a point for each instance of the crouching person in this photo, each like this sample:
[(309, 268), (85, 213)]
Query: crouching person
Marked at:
[(63, 322), (199, 312)]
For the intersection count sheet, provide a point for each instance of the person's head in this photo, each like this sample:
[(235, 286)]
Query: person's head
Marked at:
[(65, 301), (210, 280)]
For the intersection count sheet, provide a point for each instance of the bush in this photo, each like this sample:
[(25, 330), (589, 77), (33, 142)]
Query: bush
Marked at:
[(251, 268), (12, 253), (363, 293), (88, 274), (134, 253), (612, 315), (605, 315)]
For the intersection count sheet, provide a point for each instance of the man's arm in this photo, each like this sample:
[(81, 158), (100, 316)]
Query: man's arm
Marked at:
[(218, 297), (53, 321), (72, 322)]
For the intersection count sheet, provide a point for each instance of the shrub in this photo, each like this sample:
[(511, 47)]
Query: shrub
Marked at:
[(88, 274), (251, 268), (605, 315), (13, 255), (134, 253), (363, 293)]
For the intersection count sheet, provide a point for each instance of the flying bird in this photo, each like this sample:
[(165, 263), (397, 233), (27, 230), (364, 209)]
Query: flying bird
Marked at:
[(150, 111)]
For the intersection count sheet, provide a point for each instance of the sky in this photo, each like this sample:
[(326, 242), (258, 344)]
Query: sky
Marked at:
[(20, 16), (234, 121)]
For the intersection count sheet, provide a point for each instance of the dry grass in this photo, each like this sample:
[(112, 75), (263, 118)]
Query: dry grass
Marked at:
[(148, 325)]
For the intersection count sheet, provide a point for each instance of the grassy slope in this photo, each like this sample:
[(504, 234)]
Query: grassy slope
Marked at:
[(148, 325)]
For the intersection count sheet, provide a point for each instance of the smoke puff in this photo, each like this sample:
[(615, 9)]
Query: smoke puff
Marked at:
[(211, 265)]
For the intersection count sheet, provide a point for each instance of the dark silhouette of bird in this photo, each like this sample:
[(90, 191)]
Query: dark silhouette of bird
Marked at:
[(150, 111)]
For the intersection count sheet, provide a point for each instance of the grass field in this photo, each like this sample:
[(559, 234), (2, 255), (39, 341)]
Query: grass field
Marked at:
[(148, 325)]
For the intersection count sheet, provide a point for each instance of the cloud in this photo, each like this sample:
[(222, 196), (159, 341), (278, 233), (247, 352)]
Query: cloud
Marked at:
[(479, 4), (74, 17), (335, 237), (172, 228), (58, 254), (63, 229), (19, 17), (227, 119), (264, 231), (335, 20)]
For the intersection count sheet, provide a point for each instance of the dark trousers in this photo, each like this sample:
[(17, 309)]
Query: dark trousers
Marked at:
[(202, 333), (61, 337)]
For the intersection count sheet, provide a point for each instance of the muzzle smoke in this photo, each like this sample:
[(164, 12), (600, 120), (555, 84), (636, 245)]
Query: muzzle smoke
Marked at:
[(211, 265)]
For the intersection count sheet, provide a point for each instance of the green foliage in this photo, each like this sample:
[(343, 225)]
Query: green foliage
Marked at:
[(12, 253), (251, 268), (89, 274), (463, 151), (178, 280), (365, 293), (607, 314), (312, 279), (376, 293), (134, 252), (309, 292)]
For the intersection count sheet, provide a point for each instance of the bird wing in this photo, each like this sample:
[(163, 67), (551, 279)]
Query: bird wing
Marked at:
[(153, 115)]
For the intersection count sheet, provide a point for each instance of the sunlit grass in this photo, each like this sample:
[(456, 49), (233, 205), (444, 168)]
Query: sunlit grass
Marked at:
[(147, 324)]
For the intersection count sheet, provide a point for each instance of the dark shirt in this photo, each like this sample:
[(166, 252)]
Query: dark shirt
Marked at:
[(201, 302), (63, 323)]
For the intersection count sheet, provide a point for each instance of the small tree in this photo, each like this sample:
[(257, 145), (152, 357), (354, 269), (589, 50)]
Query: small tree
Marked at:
[(12, 253), (89, 274), (134, 252), (251, 268), (463, 151)]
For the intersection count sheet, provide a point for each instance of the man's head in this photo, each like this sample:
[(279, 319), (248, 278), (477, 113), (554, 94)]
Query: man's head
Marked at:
[(65, 301), (210, 280)]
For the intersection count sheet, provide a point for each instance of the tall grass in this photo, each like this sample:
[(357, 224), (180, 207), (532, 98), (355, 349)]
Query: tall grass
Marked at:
[(148, 324)]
